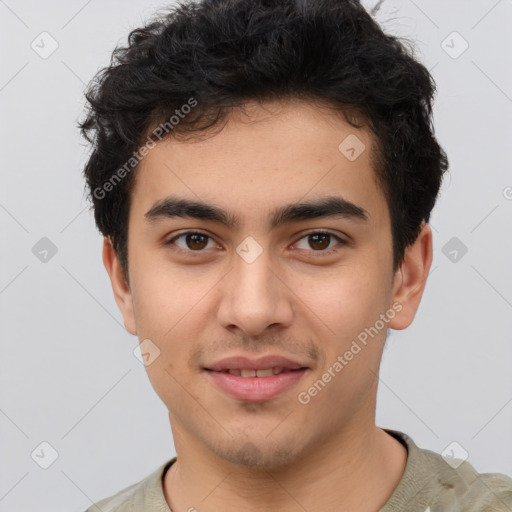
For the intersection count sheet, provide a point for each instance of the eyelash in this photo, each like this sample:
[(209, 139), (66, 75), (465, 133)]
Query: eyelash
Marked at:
[(319, 253)]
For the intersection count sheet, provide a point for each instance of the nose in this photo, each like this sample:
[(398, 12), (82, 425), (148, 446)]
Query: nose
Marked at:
[(255, 297)]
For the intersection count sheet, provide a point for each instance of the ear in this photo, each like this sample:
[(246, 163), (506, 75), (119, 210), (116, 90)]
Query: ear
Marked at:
[(411, 278), (121, 289)]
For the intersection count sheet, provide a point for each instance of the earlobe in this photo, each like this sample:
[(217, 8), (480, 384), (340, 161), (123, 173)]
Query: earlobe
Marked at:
[(120, 287), (410, 280)]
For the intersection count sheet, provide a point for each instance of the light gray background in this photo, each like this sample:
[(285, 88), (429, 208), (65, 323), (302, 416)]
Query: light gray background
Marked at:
[(67, 371)]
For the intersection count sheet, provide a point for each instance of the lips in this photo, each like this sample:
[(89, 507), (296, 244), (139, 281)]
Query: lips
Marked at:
[(260, 379), (267, 372)]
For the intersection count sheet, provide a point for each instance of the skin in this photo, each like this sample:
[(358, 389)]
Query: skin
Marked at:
[(198, 307)]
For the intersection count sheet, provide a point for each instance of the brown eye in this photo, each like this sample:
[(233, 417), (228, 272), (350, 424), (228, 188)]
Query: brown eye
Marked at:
[(195, 241), (320, 242), (192, 241)]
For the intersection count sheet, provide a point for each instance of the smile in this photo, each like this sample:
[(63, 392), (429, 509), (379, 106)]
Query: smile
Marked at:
[(256, 385)]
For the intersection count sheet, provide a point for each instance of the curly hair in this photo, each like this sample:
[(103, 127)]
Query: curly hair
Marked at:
[(219, 54)]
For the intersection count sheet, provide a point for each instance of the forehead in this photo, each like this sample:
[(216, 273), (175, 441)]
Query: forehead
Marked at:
[(265, 157)]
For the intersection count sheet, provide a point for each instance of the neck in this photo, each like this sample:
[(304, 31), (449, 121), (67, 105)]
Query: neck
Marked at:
[(356, 470)]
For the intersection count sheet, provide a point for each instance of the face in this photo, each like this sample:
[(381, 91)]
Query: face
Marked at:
[(254, 276)]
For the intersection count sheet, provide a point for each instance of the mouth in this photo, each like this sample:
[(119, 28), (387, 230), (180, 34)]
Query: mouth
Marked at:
[(249, 373), (255, 380)]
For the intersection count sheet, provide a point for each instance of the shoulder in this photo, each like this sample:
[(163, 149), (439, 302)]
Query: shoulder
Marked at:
[(147, 494), (470, 490), (120, 502), (455, 485)]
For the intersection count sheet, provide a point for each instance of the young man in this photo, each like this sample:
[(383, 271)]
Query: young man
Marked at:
[(263, 174)]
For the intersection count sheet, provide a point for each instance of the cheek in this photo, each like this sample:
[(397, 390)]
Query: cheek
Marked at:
[(171, 310), (344, 299), (166, 315), (165, 298)]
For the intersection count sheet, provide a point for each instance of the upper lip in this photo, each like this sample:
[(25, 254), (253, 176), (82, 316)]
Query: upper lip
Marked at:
[(260, 363)]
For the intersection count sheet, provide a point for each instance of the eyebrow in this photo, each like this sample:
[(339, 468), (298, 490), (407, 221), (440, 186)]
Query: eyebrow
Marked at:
[(331, 206)]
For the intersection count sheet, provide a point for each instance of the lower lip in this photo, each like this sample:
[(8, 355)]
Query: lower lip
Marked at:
[(256, 388)]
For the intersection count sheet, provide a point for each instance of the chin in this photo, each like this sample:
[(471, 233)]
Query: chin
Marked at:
[(263, 457)]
